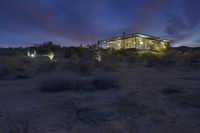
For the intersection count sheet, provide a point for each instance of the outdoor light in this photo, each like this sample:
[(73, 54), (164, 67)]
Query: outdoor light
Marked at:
[(31, 54), (51, 55)]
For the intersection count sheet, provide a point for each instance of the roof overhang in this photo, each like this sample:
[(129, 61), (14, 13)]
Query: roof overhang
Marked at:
[(129, 36), (165, 40)]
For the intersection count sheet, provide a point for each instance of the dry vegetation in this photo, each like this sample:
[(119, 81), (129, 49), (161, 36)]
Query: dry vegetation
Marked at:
[(130, 91)]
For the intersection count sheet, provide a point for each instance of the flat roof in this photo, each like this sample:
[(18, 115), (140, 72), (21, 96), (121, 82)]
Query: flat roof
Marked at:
[(133, 35), (165, 40)]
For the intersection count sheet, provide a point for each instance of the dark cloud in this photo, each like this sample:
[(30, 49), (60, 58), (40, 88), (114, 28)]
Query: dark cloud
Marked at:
[(191, 10), (68, 19), (90, 20), (182, 25), (147, 14)]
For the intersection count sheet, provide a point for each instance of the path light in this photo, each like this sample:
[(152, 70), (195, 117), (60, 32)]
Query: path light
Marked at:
[(51, 55), (31, 54), (28, 53)]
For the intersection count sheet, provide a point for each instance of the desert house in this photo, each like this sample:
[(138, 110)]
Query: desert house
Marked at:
[(138, 41)]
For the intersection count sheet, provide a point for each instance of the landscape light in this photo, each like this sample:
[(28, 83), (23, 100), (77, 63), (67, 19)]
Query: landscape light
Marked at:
[(28, 53), (31, 54), (51, 55)]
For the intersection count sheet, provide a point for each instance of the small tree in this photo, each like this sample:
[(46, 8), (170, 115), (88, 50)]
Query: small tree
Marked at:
[(69, 52)]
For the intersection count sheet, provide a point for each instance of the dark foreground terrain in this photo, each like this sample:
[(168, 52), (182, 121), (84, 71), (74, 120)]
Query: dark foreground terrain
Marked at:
[(121, 94)]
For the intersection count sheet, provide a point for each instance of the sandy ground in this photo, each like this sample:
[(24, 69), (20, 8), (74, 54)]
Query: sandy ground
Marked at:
[(150, 100)]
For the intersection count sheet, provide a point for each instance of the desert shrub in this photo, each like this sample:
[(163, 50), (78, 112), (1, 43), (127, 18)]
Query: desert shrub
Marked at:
[(45, 67), (12, 69), (110, 61), (177, 58), (133, 58), (78, 84), (74, 51), (197, 54), (15, 124), (190, 59), (66, 84), (117, 57), (149, 59), (111, 56), (121, 52), (69, 52), (171, 91), (15, 70), (168, 60), (46, 47), (80, 51), (58, 82), (105, 82), (25, 60), (88, 54), (13, 52), (108, 65), (125, 52), (81, 67), (5, 71), (53, 84)]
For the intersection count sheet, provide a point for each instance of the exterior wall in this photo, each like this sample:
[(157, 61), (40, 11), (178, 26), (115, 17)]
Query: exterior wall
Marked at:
[(164, 45), (117, 44), (128, 43)]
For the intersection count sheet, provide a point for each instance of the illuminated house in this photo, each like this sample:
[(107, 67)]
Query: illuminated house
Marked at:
[(138, 41)]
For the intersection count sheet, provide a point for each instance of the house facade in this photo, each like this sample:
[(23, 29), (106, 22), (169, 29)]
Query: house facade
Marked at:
[(138, 41)]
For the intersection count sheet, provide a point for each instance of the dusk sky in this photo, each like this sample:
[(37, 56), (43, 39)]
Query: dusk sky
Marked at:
[(70, 22)]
